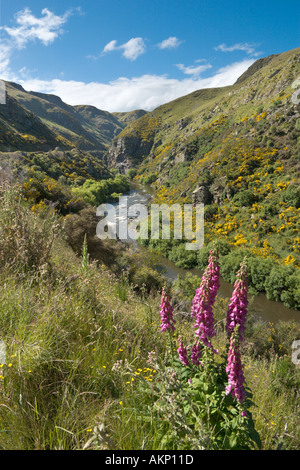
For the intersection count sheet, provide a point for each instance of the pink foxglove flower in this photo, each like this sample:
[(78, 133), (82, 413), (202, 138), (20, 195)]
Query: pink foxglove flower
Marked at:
[(204, 299), (166, 313), (196, 353), (237, 311), (214, 275), (182, 352), (234, 370)]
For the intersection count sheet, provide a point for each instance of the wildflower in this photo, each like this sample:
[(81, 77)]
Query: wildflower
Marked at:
[(166, 313), (204, 299), (182, 352), (237, 310), (196, 353), (212, 272), (151, 357), (234, 369)]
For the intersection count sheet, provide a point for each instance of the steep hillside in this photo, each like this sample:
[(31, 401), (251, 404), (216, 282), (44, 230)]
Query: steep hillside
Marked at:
[(55, 151), (129, 116), (262, 87), (235, 149), (84, 127), (21, 129)]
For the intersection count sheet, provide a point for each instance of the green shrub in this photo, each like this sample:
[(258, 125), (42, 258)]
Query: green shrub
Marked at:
[(149, 179), (202, 257), (186, 285), (245, 198), (292, 195), (146, 279), (183, 258), (25, 239), (277, 282), (230, 263), (259, 270), (131, 173), (95, 193), (291, 296)]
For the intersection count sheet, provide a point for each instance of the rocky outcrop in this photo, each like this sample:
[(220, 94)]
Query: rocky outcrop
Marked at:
[(201, 195), (127, 151), (133, 144)]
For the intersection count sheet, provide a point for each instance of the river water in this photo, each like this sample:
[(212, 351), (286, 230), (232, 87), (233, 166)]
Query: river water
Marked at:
[(266, 309)]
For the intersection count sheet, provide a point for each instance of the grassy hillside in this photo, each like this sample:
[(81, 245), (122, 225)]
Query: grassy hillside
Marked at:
[(55, 149), (82, 127), (87, 366), (84, 361), (129, 116), (21, 129), (240, 146)]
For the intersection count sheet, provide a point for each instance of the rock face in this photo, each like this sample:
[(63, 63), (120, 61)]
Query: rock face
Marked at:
[(182, 123), (127, 151), (117, 156), (182, 155), (201, 195), (133, 144)]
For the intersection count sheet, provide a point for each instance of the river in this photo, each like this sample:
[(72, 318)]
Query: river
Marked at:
[(266, 309)]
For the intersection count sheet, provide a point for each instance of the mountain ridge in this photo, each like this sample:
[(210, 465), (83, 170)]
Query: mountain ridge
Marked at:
[(188, 113), (82, 126), (235, 150)]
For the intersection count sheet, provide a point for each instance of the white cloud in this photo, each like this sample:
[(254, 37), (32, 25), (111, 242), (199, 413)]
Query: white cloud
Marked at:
[(126, 94), (192, 70), (29, 28), (132, 49), (170, 43), (5, 54), (111, 46), (122, 94), (242, 46)]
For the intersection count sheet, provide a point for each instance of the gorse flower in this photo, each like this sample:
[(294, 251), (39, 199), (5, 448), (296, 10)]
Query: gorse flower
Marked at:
[(237, 310), (234, 369), (166, 313), (204, 299)]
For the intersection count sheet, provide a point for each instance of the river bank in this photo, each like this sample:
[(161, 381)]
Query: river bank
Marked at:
[(264, 308)]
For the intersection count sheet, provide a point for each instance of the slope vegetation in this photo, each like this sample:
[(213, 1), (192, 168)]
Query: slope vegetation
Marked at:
[(84, 127), (236, 150)]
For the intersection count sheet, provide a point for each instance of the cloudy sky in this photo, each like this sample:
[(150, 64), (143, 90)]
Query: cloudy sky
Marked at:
[(129, 54)]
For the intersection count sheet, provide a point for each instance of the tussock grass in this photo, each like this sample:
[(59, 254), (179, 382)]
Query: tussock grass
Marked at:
[(77, 372)]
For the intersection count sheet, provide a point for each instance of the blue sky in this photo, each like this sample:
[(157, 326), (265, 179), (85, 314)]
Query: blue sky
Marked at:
[(121, 55)]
